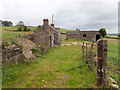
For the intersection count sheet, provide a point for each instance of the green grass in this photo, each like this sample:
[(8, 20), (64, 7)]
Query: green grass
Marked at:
[(9, 27), (59, 67), (14, 34), (113, 60), (16, 28), (10, 34), (62, 30), (112, 36)]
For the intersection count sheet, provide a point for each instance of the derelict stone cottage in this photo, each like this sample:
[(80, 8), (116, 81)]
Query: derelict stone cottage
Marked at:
[(46, 36), (84, 35)]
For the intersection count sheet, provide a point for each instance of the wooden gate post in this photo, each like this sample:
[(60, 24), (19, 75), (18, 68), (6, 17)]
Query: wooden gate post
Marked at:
[(101, 62)]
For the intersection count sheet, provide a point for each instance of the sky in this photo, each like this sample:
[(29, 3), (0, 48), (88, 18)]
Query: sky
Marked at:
[(69, 14)]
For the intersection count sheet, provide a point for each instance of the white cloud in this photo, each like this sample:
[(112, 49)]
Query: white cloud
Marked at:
[(71, 14)]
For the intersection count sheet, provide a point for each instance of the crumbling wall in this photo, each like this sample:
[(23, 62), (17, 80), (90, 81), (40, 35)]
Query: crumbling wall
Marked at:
[(42, 40), (17, 49), (11, 54)]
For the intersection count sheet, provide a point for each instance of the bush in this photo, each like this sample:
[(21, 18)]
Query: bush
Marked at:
[(20, 29), (25, 28), (103, 32)]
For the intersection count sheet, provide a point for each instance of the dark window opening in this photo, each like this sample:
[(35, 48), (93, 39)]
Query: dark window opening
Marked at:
[(84, 35)]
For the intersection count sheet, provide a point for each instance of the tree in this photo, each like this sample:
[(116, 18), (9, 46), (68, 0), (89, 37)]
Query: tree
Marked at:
[(25, 28), (7, 23), (20, 28), (20, 23), (103, 32), (77, 29)]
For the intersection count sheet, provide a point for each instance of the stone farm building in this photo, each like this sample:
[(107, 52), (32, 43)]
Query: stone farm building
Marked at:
[(46, 36), (84, 35)]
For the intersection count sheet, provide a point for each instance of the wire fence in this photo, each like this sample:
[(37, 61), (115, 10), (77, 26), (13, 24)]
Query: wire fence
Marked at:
[(95, 55)]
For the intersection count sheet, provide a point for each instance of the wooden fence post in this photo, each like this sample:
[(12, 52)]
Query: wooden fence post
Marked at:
[(86, 52), (91, 57), (101, 62), (83, 51)]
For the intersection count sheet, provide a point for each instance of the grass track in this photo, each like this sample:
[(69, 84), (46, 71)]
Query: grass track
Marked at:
[(59, 67)]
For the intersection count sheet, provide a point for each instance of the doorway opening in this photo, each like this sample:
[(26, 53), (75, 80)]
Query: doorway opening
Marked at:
[(50, 41), (97, 36)]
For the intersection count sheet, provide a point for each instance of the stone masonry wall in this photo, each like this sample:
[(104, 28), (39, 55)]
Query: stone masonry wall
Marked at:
[(83, 35)]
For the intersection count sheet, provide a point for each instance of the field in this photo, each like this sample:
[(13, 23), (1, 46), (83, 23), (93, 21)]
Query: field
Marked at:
[(62, 30), (14, 34), (59, 67), (16, 28), (112, 36), (113, 61), (10, 31)]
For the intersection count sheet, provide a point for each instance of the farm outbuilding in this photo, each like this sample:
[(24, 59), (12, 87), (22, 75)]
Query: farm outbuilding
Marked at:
[(84, 35)]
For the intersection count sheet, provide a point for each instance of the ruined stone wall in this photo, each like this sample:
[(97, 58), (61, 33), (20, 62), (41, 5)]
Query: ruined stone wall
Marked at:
[(16, 50), (11, 54), (41, 39)]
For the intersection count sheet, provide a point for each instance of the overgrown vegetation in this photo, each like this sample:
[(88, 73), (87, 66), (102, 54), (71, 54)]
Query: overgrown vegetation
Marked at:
[(8, 41)]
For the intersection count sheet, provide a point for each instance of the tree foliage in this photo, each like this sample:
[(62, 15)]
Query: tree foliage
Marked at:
[(6, 23), (20, 29), (103, 32), (20, 23), (77, 29), (23, 28)]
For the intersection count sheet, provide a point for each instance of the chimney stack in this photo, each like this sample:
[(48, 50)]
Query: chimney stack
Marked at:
[(45, 21)]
